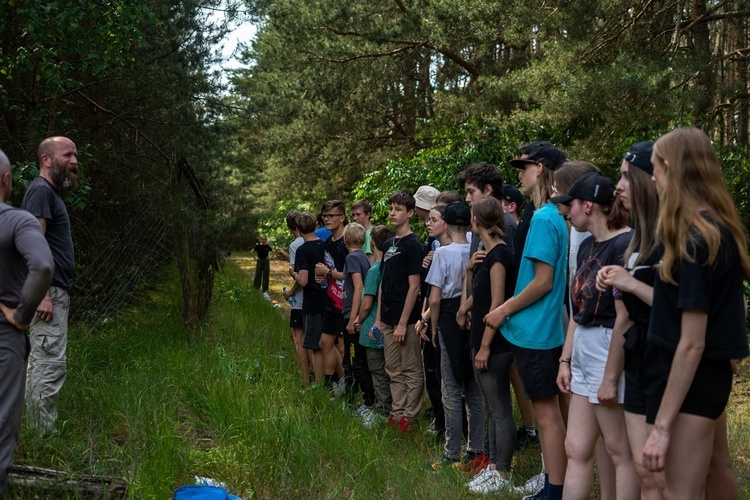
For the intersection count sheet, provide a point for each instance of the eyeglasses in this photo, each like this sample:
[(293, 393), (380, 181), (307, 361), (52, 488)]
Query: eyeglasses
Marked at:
[(330, 216)]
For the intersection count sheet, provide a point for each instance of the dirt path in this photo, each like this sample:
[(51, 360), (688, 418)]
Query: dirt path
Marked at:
[(279, 277)]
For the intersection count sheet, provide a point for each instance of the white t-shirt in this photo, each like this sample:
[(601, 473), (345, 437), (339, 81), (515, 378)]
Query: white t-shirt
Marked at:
[(293, 246), (448, 269)]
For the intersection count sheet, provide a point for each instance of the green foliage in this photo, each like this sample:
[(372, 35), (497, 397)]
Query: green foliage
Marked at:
[(343, 96), (438, 166)]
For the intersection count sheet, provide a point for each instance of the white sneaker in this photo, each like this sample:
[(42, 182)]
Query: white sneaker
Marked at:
[(532, 486), (371, 419), (339, 388), (483, 475), (361, 411), (266, 296), (494, 482)]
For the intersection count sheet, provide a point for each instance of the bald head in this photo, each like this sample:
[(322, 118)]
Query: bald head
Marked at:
[(58, 163), (50, 145), (6, 177)]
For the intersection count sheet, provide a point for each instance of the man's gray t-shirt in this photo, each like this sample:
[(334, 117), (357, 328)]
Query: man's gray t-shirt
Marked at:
[(356, 262), (43, 202)]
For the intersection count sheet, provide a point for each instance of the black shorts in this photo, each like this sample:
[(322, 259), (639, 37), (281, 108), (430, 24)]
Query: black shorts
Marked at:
[(538, 370), (295, 318), (313, 329), (635, 394), (333, 322), (708, 394)]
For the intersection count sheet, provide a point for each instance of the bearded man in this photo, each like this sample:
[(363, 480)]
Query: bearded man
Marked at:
[(47, 367)]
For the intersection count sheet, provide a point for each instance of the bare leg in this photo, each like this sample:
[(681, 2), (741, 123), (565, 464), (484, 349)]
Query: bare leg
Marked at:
[(332, 357), (688, 457), (552, 437), (652, 483), (301, 354), (605, 470), (582, 434), (722, 482), (318, 365), (611, 420)]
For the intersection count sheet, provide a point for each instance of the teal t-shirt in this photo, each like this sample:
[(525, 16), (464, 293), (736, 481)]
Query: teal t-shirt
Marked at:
[(372, 284), (540, 325), (367, 247)]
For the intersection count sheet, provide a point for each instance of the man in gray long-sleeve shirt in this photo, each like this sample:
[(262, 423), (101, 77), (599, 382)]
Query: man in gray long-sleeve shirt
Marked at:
[(26, 268)]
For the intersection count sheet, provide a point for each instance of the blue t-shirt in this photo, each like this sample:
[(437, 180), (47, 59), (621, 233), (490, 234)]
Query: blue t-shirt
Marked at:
[(540, 326)]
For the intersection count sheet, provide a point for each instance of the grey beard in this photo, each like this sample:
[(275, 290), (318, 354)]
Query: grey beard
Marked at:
[(64, 183)]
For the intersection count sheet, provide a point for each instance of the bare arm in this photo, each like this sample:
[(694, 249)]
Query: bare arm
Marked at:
[(434, 308), (399, 333), (365, 307), (618, 277), (616, 357), (687, 356), (356, 301), (497, 283), (536, 289), (563, 371), (302, 277)]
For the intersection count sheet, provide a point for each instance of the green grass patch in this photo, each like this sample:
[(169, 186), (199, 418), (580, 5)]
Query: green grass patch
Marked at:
[(145, 403)]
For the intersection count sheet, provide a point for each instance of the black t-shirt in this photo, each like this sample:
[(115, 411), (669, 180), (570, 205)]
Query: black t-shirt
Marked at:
[(336, 253), (716, 290), (590, 306), (262, 251), (483, 296), (313, 295), (645, 272), (402, 258), (43, 202), (522, 230)]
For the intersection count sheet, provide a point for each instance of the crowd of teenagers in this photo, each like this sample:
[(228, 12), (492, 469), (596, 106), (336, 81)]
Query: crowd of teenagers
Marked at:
[(614, 312)]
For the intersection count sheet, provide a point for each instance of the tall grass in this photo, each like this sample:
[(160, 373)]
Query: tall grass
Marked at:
[(144, 403)]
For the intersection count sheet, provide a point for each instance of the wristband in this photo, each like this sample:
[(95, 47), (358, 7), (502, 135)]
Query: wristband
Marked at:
[(565, 360)]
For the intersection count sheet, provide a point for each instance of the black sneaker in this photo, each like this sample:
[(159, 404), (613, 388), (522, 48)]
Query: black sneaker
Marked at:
[(524, 438)]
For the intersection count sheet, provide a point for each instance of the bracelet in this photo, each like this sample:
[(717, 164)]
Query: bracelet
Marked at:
[(330, 272), (565, 360)]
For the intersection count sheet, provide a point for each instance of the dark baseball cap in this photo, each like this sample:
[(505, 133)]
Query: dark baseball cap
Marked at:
[(549, 156), (639, 155), (511, 194), (589, 187), (457, 214)]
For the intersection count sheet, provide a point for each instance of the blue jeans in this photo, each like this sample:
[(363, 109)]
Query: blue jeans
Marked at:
[(453, 405), (495, 387)]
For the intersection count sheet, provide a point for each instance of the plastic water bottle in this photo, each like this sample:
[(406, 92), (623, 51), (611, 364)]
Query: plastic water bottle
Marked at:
[(292, 301), (378, 336)]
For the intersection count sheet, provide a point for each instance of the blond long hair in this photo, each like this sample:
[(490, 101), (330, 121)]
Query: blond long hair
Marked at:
[(694, 185)]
